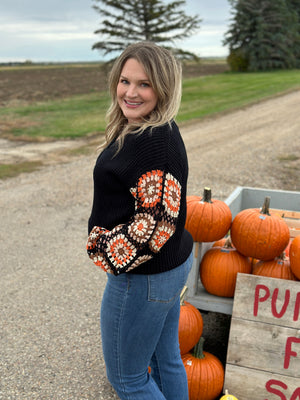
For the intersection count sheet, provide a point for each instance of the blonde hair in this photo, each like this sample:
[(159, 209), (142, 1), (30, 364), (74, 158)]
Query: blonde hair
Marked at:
[(164, 73)]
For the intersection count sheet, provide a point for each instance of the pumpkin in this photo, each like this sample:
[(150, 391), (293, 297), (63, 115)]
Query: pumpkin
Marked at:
[(228, 396), (219, 268), (295, 256), (277, 268), (207, 219), (219, 243), (259, 234), (190, 324), (205, 373)]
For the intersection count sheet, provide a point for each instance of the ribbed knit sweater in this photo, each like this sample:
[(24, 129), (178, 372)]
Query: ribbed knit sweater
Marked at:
[(139, 207)]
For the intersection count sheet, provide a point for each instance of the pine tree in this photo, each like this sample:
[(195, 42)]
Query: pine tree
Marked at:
[(294, 6), (126, 21), (262, 35)]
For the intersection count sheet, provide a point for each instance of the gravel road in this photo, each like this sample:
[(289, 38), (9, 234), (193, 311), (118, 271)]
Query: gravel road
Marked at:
[(50, 292)]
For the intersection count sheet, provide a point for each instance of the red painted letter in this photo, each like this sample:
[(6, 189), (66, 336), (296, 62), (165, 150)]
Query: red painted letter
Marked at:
[(288, 350), (296, 394), (258, 299), (285, 304), (275, 391), (297, 307)]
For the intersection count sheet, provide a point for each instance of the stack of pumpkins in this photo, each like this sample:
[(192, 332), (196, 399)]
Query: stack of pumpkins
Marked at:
[(255, 241), (259, 243), (205, 372)]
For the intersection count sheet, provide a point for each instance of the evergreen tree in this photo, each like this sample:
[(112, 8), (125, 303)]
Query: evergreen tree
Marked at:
[(126, 21), (294, 6), (262, 35)]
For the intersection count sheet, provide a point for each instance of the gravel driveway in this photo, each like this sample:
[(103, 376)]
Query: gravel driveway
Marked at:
[(50, 291)]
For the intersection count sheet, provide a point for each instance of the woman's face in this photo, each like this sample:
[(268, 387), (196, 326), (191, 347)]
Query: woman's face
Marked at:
[(135, 95)]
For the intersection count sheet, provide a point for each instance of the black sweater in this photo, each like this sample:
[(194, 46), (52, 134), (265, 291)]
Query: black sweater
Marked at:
[(139, 208)]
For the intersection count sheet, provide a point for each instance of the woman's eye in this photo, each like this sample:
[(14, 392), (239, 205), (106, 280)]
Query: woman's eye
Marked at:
[(142, 84)]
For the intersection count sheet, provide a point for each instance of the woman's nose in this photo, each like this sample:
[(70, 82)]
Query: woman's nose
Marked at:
[(131, 91)]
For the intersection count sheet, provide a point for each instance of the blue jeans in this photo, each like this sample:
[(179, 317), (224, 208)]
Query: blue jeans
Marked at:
[(139, 327)]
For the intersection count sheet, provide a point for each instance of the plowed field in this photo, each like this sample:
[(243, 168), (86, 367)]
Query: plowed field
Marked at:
[(29, 84)]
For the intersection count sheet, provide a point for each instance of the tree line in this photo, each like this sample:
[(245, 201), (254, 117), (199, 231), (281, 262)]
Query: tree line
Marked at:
[(262, 35)]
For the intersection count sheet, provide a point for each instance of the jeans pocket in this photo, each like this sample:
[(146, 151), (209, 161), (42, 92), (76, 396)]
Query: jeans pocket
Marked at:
[(166, 286)]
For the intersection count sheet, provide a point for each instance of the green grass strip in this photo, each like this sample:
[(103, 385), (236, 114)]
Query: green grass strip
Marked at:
[(208, 95), (72, 117)]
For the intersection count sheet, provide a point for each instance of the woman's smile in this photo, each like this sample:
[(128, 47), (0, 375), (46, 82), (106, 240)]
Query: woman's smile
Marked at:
[(132, 104)]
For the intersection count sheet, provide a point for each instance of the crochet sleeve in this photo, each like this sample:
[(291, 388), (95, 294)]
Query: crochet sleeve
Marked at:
[(157, 201)]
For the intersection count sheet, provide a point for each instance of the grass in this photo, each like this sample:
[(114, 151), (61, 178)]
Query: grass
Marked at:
[(288, 157), (206, 96), (83, 115), (71, 117), (11, 170)]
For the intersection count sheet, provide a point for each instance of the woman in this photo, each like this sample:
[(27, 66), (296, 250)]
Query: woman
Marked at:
[(137, 223)]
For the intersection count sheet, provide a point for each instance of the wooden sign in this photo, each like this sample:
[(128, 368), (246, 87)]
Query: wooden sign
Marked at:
[(263, 358)]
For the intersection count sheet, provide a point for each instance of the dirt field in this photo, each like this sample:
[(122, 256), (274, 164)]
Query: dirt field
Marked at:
[(28, 84)]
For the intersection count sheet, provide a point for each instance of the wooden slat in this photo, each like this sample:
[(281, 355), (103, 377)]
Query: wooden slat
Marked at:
[(244, 305), (292, 223), (249, 384), (292, 219), (286, 213), (262, 346), (294, 233)]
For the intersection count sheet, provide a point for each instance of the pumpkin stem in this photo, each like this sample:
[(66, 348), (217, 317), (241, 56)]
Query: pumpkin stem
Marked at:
[(207, 195), (182, 295), (266, 206), (198, 349), (228, 243), (282, 256)]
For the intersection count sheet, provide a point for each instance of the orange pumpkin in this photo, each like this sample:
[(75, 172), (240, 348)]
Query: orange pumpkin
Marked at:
[(219, 243), (205, 374), (295, 256), (259, 234), (207, 219), (277, 268), (219, 268), (190, 325)]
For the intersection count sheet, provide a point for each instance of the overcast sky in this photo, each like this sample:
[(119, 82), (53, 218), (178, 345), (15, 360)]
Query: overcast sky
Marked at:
[(62, 30)]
